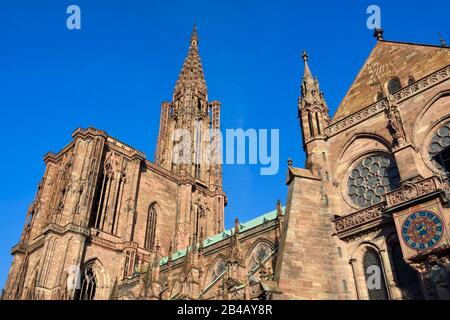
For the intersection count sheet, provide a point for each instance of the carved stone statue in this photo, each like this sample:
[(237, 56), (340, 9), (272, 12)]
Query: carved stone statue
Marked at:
[(395, 124)]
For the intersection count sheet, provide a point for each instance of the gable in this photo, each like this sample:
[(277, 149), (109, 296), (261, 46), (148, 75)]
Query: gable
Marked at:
[(386, 61)]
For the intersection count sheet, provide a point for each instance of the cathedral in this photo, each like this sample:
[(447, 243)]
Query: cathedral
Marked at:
[(367, 218)]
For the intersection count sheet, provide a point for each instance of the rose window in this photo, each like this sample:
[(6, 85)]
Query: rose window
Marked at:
[(371, 179), (439, 147)]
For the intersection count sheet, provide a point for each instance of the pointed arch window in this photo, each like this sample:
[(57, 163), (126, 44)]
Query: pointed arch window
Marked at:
[(375, 280), (394, 85), (88, 285), (151, 227)]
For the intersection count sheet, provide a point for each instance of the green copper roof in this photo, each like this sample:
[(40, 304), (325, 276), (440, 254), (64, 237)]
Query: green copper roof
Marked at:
[(272, 215)]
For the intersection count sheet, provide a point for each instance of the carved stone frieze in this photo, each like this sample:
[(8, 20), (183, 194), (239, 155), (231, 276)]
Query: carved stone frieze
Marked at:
[(412, 190), (359, 218)]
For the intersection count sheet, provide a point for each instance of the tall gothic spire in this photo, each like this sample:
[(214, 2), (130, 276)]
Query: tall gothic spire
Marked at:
[(312, 109), (191, 76), (310, 90)]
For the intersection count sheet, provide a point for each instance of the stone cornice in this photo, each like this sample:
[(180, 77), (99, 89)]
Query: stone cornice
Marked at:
[(423, 84), (355, 118), (92, 133), (70, 227), (18, 248), (181, 179), (89, 132), (51, 157), (300, 173), (125, 149), (22, 248), (379, 106)]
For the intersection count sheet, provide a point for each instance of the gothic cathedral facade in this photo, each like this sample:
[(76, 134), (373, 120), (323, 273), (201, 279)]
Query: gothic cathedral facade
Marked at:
[(367, 218)]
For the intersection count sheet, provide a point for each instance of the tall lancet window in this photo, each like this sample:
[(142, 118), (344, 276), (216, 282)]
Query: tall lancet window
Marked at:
[(374, 273), (198, 149), (150, 233)]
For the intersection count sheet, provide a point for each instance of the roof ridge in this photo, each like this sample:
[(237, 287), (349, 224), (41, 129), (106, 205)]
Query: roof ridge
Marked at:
[(416, 44)]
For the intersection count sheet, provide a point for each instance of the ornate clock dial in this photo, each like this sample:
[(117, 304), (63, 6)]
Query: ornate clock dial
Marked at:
[(422, 230)]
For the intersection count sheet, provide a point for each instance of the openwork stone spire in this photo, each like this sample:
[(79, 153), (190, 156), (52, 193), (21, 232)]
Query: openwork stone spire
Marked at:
[(191, 77)]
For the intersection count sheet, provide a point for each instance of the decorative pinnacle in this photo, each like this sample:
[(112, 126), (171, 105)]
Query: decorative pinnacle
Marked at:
[(443, 43), (290, 162), (279, 210), (307, 72), (378, 33)]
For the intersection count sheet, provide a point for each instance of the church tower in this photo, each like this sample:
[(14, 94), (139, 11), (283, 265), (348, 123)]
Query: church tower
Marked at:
[(189, 146), (104, 210), (188, 143)]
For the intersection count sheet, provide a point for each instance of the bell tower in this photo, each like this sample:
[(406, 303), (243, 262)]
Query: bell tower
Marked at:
[(189, 145)]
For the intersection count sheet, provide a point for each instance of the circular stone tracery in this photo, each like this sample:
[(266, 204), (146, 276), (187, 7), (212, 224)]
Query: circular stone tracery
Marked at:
[(371, 179), (440, 141)]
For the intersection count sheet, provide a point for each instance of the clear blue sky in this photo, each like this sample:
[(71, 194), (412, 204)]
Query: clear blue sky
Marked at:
[(115, 72)]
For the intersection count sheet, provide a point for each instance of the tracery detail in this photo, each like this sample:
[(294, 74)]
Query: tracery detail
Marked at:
[(371, 179), (439, 142)]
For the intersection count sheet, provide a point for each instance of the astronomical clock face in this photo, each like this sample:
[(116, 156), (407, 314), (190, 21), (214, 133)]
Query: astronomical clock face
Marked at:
[(422, 230)]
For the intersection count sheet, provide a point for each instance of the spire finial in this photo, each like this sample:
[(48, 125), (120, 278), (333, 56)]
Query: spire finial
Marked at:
[(194, 36), (305, 56), (378, 33), (307, 72), (442, 40)]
